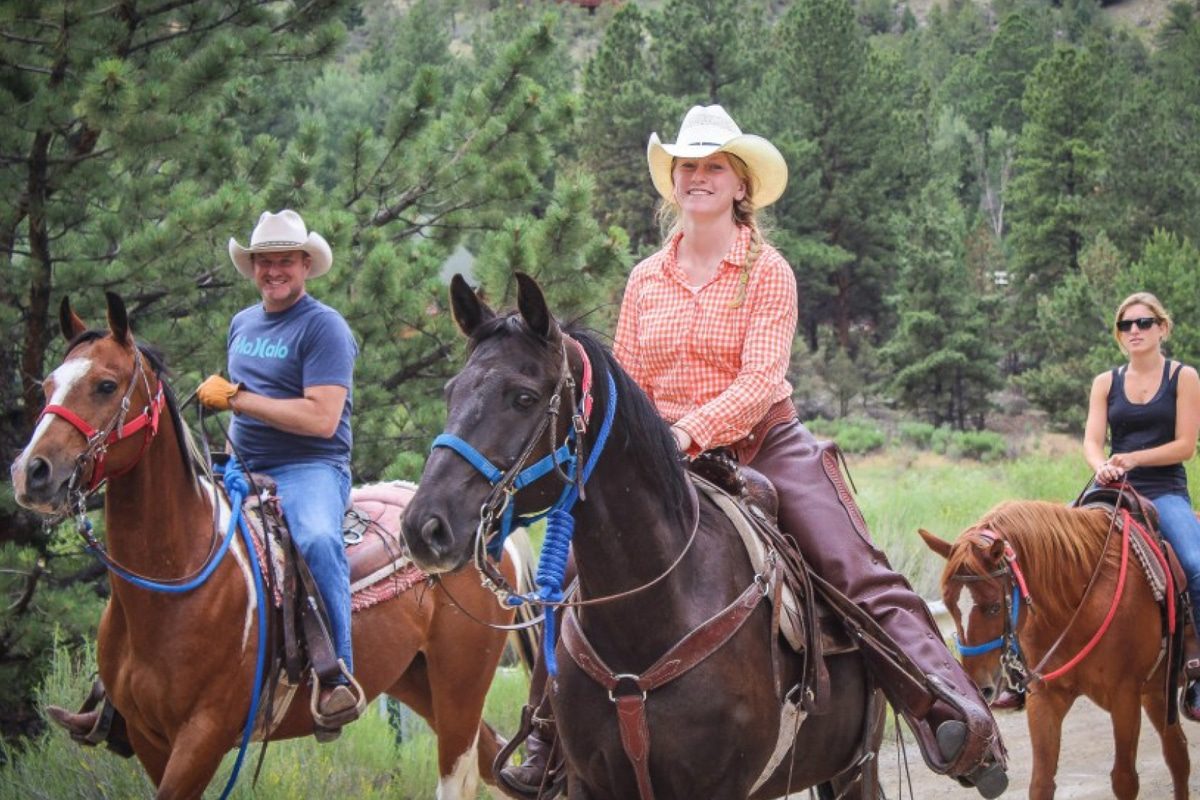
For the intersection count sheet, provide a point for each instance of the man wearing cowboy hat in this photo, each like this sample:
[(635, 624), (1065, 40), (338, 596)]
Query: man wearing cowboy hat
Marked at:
[(291, 369)]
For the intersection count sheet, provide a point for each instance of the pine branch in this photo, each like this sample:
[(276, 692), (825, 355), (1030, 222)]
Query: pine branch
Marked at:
[(22, 603)]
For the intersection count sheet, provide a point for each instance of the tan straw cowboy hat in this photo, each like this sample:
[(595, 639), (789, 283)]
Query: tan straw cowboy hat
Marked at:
[(710, 129), (280, 232)]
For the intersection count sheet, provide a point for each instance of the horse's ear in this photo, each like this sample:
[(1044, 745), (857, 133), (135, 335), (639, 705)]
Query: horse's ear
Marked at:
[(936, 543), (118, 319), (69, 321), (532, 305), (469, 311), (996, 551)]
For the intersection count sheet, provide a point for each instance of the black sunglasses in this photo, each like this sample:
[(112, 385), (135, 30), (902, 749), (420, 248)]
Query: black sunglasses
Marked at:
[(1143, 323)]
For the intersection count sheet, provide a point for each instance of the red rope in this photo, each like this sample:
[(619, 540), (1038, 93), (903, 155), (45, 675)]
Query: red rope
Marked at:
[(1112, 611)]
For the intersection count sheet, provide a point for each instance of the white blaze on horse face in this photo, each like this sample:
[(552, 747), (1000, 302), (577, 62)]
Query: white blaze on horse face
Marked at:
[(959, 605), (68, 374)]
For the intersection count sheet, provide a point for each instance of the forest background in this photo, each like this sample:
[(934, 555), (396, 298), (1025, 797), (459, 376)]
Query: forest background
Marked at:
[(973, 189)]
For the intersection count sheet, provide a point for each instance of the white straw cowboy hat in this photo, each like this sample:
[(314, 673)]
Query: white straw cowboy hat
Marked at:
[(280, 232), (710, 129)]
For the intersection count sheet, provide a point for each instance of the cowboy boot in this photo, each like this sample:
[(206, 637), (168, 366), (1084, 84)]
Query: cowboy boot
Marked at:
[(904, 649), (78, 725), (541, 775)]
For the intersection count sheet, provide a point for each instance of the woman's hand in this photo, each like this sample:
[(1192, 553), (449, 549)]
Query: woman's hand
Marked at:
[(1123, 461), (683, 439), (1114, 469)]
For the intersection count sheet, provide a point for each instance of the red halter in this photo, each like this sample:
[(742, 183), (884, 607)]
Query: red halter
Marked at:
[(99, 440)]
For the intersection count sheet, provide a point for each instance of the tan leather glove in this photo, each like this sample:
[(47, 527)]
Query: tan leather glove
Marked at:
[(216, 392)]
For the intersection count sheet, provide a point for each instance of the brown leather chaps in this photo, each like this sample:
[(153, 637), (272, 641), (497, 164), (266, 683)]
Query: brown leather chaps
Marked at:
[(817, 510)]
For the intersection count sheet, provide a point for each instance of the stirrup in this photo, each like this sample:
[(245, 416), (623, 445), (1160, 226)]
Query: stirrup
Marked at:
[(342, 708)]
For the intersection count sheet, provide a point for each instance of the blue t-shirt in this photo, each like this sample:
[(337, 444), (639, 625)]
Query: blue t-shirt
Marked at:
[(278, 355)]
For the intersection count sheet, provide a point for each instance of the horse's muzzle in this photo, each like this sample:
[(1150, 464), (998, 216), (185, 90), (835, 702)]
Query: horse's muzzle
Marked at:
[(38, 485), (431, 543)]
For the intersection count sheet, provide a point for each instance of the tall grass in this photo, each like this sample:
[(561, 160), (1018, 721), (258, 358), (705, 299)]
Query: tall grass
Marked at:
[(374, 758), (899, 491)]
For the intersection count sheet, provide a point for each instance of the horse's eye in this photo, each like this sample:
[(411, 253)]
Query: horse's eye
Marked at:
[(523, 401), (106, 387), (991, 609)]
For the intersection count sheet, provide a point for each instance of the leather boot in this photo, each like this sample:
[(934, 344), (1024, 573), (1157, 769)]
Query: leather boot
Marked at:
[(541, 775), (912, 663)]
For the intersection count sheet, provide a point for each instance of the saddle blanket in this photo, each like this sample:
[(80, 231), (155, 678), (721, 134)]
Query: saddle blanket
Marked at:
[(380, 567)]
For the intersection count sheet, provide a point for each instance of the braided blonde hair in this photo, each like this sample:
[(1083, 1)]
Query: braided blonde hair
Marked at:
[(670, 220)]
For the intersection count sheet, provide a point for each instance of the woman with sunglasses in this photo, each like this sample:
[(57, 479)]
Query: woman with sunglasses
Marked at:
[(1152, 407)]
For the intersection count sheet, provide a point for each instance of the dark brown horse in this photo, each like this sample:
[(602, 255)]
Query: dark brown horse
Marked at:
[(180, 667), (1080, 592), (712, 731)]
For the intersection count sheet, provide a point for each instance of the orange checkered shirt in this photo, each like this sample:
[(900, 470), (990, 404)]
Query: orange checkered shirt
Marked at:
[(710, 369)]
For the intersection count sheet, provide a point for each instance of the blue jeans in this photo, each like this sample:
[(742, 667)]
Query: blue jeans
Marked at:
[(1181, 528), (314, 497)]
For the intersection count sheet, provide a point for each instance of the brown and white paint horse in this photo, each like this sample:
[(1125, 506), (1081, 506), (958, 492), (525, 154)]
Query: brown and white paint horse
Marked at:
[(180, 667)]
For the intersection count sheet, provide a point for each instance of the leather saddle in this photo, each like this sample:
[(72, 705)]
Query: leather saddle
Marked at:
[(805, 619), (1114, 498)]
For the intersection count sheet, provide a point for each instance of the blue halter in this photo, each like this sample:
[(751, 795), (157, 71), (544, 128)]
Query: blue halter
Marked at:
[(560, 523), (999, 641)]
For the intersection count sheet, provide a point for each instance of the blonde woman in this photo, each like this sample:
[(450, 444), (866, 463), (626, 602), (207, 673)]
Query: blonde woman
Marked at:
[(706, 330), (1151, 405)]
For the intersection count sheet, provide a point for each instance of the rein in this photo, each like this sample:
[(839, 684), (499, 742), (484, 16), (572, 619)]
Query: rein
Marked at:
[(1013, 659), (499, 506)]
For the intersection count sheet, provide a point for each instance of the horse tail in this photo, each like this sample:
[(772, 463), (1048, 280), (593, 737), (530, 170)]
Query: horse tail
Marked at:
[(527, 641)]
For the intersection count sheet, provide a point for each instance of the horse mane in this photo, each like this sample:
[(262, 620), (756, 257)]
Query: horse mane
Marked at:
[(1057, 547), (158, 363), (638, 423), (637, 426)]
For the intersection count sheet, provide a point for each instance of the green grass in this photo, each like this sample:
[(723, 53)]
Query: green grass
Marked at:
[(899, 491), (367, 761)]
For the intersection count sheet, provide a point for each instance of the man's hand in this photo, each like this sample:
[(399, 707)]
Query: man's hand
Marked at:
[(216, 392)]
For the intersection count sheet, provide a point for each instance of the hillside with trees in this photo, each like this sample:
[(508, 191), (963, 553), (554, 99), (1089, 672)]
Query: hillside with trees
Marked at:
[(973, 189)]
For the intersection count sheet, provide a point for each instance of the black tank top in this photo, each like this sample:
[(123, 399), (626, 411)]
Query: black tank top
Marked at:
[(1138, 426)]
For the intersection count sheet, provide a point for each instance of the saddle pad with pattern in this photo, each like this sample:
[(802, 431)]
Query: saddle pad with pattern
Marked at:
[(380, 568), (1141, 549)]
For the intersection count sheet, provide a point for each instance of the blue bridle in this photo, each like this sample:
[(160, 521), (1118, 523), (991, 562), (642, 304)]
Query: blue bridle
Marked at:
[(560, 523), (995, 644)]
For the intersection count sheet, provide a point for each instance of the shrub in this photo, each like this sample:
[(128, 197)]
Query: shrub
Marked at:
[(980, 445), (852, 435), (917, 434)]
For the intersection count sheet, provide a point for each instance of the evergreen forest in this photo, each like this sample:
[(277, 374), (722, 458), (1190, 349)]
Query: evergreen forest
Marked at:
[(974, 186)]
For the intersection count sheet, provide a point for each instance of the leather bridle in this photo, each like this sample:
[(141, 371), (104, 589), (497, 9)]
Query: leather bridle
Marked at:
[(99, 440)]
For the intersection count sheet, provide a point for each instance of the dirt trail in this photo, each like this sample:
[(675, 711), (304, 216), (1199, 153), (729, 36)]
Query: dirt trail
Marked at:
[(1087, 755)]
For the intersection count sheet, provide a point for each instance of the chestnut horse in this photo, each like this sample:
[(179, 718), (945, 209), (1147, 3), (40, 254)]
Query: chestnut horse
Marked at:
[(640, 531), (1054, 592), (180, 667)]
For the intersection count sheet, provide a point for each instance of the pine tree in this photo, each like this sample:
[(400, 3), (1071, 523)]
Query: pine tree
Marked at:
[(943, 359), (621, 104), (839, 132), (1058, 169), (122, 160)]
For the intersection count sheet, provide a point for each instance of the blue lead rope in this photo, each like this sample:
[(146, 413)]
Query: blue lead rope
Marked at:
[(560, 523), (237, 488)]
